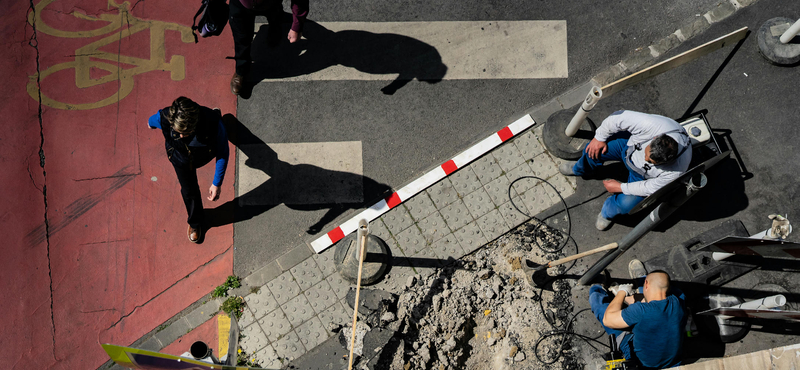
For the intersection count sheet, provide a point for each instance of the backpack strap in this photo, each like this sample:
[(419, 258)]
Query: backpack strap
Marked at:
[(203, 7)]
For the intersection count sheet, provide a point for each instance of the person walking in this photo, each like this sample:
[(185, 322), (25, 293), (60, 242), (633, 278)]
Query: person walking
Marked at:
[(193, 136), (242, 15)]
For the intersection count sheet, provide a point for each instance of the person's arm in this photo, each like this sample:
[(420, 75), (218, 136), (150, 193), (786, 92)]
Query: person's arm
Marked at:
[(222, 155), (299, 14), (646, 187), (155, 120), (613, 316)]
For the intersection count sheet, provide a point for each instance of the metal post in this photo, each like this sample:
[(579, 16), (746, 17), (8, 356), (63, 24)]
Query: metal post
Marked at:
[(791, 32), (678, 198), (589, 103)]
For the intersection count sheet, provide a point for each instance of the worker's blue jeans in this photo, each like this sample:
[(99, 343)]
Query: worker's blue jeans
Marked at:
[(616, 204), (599, 300)]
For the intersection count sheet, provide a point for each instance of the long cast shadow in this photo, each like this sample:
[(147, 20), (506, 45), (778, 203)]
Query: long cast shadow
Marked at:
[(301, 187), (373, 53)]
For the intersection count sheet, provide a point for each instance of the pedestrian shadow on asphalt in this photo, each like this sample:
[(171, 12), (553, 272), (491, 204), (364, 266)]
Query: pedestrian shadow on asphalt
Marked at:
[(301, 187), (321, 48)]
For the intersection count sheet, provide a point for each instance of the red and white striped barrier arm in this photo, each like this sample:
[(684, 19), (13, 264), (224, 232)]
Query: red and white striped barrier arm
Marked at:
[(423, 182)]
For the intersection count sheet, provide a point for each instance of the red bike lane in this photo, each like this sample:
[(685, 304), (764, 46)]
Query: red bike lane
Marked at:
[(97, 249)]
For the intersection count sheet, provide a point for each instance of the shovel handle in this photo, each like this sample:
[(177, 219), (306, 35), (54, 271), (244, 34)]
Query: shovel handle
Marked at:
[(583, 254)]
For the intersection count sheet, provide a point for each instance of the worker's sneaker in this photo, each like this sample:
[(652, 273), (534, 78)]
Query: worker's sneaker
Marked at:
[(636, 269), (566, 168), (193, 234), (602, 223)]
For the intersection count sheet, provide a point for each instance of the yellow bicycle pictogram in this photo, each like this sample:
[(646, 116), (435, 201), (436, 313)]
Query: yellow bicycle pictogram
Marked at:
[(117, 26)]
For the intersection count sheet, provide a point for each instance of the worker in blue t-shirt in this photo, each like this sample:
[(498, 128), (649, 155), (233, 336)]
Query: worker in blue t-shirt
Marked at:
[(649, 331), (193, 136)]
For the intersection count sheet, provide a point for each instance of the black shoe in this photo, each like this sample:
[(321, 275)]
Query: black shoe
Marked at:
[(236, 83)]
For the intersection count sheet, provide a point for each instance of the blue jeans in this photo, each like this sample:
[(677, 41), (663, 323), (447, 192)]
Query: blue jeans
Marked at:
[(616, 204), (599, 300)]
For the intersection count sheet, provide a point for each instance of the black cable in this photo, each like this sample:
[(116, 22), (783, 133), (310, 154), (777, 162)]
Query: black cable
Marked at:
[(565, 332)]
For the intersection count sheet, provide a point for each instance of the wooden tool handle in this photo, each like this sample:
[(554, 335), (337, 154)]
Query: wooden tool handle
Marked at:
[(583, 254), (361, 254)]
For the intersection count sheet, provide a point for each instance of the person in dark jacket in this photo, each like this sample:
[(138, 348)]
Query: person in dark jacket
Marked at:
[(242, 15), (193, 136)]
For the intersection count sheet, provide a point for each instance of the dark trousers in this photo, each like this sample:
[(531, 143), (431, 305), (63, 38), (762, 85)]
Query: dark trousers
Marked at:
[(190, 191), (242, 21)]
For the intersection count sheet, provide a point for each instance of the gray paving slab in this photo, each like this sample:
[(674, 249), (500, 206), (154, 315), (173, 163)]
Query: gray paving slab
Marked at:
[(298, 310), (470, 237), (325, 261), (173, 331), (507, 156), (425, 259), (486, 168), (411, 241), (562, 185), (572, 180), (520, 178), (465, 181), (529, 143), (420, 206), (492, 224), (275, 325), (378, 228), (253, 339), (443, 192), (433, 227), (248, 317), (543, 166), (306, 273), (447, 247), (320, 296), (312, 333), (284, 287), (498, 190), (294, 256), (260, 303), (541, 113), (576, 95), (335, 315), (339, 285), (289, 347), (152, 344), (511, 215), (536, 199), (456, 214), (397, 219), (202, 313), (267, 358), (478, 203), (262, 275)]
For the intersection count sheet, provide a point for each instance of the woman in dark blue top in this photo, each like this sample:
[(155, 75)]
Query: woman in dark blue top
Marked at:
[(193, 135)]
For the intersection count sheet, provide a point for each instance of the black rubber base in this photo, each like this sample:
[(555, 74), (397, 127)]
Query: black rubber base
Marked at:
[(375, 263), (771, 47), (563, 146)]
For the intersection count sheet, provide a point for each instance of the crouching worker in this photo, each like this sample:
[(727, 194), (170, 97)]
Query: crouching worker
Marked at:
[(648, 332), (655, 150), (193, 136)]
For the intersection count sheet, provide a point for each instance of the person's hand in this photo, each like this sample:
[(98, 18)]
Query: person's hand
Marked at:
[(294, 36), (627, 288), (596, 148), (629, 300), (213, 193), (612, 186)]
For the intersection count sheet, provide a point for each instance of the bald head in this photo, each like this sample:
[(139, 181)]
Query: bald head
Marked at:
[(658, 280)]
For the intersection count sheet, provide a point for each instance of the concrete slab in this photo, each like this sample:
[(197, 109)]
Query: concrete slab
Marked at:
[(320, 296), (289, 347), (456, 214), (433, 227), (312, 333), (453, 50), (260, 304), (478, 203), (300, 175), (299, 310), (411, 241), (447, 247), (443, 192), (306, 273), (284, 287), (275, 324), (420, 206)]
